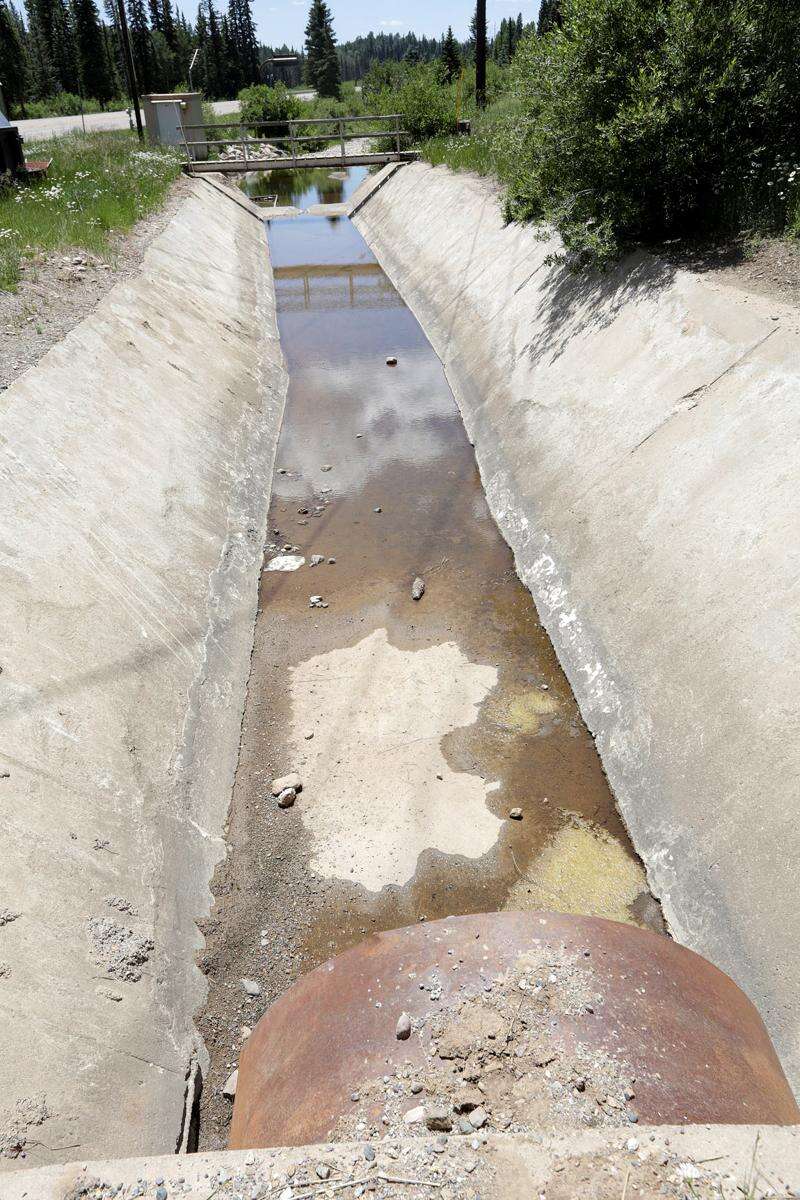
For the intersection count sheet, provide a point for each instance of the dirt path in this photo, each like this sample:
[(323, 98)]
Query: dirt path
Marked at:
[(58, 290)]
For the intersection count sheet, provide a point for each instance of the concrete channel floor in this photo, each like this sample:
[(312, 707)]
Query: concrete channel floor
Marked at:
[(416, 726)]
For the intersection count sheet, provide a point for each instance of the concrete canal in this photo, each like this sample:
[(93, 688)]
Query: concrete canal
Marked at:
[(445, 766)]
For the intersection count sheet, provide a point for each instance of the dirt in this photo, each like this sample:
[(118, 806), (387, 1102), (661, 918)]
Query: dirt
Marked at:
[(59, 289), (765, 266), (495, 1065)]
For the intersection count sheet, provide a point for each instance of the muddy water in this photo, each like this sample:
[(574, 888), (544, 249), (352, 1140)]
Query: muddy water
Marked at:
[(416, 727)]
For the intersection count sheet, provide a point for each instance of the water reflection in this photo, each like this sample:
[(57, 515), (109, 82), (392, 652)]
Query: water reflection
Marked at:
[(304, 187)]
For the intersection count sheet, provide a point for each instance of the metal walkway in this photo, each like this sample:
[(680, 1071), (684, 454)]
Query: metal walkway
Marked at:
[(240, 165), (252, 137)]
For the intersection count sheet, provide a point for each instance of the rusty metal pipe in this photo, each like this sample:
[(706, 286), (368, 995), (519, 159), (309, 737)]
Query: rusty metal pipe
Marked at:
[(695, 1045)]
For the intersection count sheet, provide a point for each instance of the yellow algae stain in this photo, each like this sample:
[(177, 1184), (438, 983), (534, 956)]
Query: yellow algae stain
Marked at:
[(525, 712), (583, 870)]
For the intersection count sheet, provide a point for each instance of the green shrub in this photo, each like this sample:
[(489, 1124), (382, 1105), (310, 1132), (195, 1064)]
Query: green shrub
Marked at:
[(647, 119), (262, 103), (67, 104)]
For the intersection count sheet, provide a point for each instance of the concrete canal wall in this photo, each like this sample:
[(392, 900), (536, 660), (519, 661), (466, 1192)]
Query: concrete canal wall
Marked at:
[(136, 465), (637, 439)]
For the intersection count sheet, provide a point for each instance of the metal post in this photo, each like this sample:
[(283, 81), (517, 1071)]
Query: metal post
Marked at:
[(480, 54), (341, 139), (130, 70)]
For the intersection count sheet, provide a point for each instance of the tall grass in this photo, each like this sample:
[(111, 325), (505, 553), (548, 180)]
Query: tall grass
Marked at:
[(98, 184), (489, 149)]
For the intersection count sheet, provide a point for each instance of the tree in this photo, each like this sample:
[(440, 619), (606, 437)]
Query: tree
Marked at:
[(16, 78), (322, 61), (96, 79), (451, 59), (141, 45), (550, 16)]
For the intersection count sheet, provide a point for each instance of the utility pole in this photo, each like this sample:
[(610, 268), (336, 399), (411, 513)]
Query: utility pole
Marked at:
[(130, 70), (480, 54)]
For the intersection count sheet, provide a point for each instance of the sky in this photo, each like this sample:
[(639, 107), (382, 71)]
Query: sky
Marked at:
[(280, 21)]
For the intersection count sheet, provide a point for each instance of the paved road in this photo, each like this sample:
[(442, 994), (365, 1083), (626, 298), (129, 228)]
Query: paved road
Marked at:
[(46, 127)]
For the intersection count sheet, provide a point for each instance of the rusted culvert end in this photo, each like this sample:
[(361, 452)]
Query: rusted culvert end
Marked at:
[(519, 1021)]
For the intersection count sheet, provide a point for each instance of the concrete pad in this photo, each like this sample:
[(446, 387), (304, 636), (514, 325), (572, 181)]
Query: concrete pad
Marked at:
[(724, 1162), (135, 469), (635, 436)]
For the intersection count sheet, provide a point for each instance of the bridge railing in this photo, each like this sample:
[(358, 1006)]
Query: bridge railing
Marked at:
[(293, 139)]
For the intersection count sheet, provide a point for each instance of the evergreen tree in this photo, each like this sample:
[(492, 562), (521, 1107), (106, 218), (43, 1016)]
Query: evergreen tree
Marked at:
[(451, 59), (13, 56), (550, 16), (141, 45), (244, 41), (322, 61), (93, 64), (216, 81)]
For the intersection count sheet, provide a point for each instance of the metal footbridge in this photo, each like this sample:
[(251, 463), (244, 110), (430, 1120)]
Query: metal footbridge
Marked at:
[(289, 145)]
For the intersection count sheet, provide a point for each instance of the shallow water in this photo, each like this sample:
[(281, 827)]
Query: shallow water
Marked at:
[(416, 727)]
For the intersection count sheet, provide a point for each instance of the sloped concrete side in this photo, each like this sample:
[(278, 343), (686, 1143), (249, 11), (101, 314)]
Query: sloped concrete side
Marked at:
[(705, 1161), (135, 469), (637, 440)]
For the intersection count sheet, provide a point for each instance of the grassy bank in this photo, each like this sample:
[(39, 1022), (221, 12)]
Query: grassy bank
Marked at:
[(98, 184)]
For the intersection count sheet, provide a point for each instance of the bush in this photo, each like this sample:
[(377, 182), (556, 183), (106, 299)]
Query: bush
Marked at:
[(262, 103), (645, 120), (426, 103), (67, 104)]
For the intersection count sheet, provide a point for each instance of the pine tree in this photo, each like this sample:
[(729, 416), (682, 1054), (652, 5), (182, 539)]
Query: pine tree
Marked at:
[(92, 61), (550, 16), (322, 61), (13, 55), (451, 59), (216, 82), (141, 45)]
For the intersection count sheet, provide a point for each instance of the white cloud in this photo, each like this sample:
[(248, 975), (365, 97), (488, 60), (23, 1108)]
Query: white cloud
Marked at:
[(393, 24)]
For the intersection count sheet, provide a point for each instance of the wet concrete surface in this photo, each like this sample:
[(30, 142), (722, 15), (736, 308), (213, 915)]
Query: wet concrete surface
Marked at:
[(361, 436)]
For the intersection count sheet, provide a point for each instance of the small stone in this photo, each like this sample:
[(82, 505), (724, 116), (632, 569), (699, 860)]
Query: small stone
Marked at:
[(327, 467), (229, 1086), (516, 814), (331, 562), (316, 559), (437, 1117), (414, 1115), (287, 798), (377, 508), (418, 589), (415, 1089), (632, 1145), (322, 1171), (632, 1116), (369, 1153), (403, 1030), (478, 1118), (309, 736), (391, 361), (355, 1097), (251, 987), (161, 1193), (469, 1167), (464, 1125), (287, 781)]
